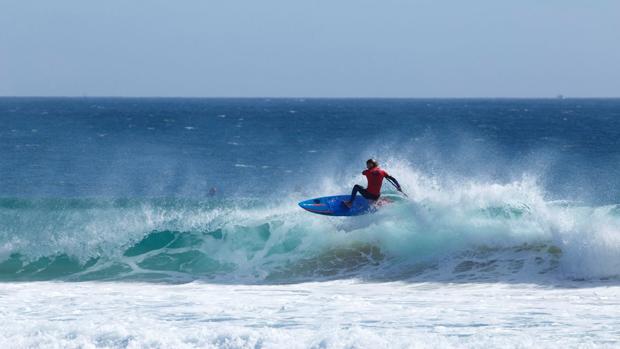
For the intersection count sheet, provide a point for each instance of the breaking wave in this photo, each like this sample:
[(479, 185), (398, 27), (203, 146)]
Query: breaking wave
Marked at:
[(446, 232)]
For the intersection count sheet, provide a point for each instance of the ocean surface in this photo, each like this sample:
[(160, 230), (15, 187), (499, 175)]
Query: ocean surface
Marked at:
[(160, 223)]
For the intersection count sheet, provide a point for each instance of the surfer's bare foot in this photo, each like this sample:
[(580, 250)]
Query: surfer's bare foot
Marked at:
[(348, 203)]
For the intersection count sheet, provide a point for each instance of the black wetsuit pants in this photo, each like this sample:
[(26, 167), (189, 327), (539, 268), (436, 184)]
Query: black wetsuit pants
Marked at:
[(358, 188)]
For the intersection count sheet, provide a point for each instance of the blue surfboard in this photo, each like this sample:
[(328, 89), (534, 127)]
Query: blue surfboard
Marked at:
[(334, 206)]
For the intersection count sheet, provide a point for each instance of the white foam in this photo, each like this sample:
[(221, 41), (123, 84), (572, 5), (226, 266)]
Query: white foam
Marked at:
[(314, 315)]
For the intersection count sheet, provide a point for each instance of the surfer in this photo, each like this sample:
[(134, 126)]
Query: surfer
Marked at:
[(374, 174)]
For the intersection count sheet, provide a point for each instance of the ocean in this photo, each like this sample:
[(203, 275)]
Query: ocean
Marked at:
[(173, 223)]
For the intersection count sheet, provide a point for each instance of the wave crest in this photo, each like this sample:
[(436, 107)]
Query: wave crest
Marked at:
[(455, 231)]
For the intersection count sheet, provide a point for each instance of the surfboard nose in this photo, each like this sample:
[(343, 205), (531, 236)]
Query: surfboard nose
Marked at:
[(316, 206)]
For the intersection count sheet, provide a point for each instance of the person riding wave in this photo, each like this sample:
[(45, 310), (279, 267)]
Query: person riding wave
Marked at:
[(375, 176)]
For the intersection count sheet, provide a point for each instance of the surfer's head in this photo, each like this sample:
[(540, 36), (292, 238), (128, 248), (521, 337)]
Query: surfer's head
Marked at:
[(372, 163)]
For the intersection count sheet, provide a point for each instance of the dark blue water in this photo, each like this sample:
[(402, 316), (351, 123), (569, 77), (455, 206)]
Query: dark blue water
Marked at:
[(97, 188), (72, 147)]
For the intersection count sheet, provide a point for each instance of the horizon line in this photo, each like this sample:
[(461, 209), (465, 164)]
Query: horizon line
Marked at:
[(558, 97)]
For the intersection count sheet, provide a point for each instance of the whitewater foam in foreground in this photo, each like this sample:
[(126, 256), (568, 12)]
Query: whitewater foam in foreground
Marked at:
[(334, 314)]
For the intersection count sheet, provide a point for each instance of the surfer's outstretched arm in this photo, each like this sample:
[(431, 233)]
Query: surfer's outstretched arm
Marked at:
[(393, 181)]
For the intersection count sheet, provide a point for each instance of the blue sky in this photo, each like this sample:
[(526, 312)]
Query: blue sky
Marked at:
[(316, 48)]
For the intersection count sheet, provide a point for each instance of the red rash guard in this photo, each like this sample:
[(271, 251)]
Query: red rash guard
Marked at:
[(375, 178)]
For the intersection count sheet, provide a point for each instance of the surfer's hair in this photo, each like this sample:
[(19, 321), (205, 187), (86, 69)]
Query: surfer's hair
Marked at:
[(374, 162)]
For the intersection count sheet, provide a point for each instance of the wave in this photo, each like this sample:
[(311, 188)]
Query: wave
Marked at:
[(460, 231)]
